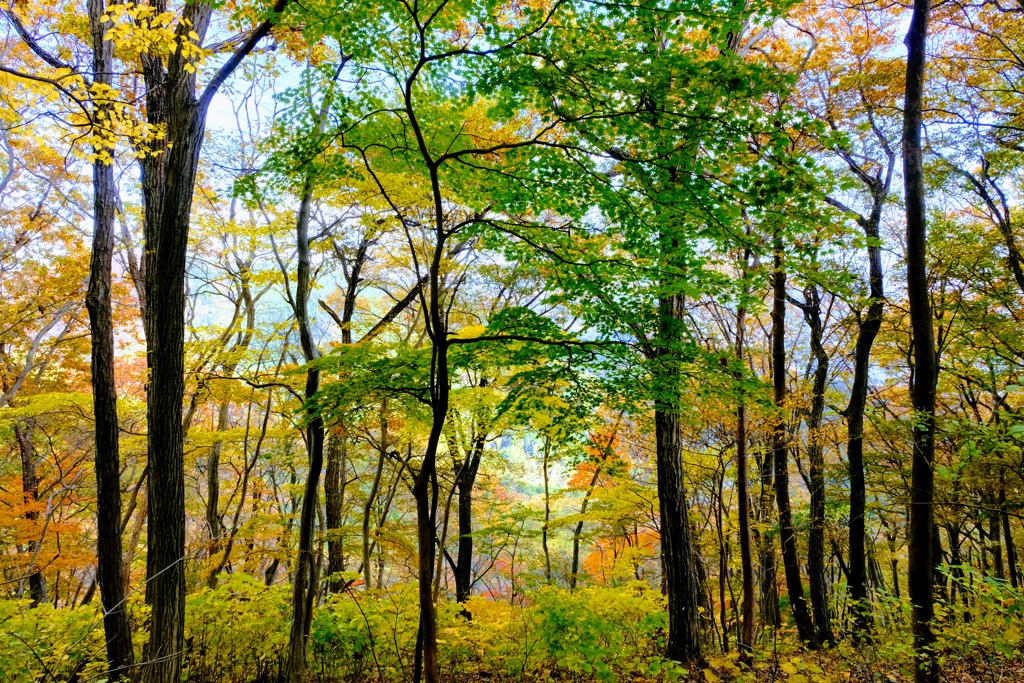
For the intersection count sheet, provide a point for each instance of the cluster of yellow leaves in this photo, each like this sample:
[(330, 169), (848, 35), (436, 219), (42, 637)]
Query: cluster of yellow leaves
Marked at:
[(138, 29), (113, 119)]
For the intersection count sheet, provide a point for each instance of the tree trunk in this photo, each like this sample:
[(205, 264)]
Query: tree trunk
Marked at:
[(956, 568), (547, 510), (110, 567), (214, 526), (723, 557), (374, 488), (464, 482), (815, 455), (1011, 548), (684, 591), (767, 564), (425, 492), (925, 371), (168, 182), (304, 585), (746, 641), (578, 531), (337, 453), (996, 544), (866, 334), (334, 503), (867, 329), (425, 489), (780, 452), (30, 491)]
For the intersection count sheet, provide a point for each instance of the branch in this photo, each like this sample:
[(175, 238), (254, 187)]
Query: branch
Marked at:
[(845, 209), (331, 312), (241, 53), (395, 310), (33, 44)]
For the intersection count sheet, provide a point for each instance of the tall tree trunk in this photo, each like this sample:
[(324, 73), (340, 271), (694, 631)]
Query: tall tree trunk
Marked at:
[(867, 329), (746, 640), (767, 563), (30, 492), (166, 244), (684, 591), (815, 452), (425, 489), (337, 453), (547, 510), (578, 531), (110, 567), (723, 557), (168, 182), (304, 585), (214, 525), (374, 488), (425, 492), (334, 504), (925, 372), (1011, 548), (780, 453), (996, 544), (464, 483), (866, 333)]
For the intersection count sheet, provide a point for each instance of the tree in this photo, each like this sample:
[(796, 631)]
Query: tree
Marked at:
[(925, 371), (746, 640), (120, 653), (780, 450)]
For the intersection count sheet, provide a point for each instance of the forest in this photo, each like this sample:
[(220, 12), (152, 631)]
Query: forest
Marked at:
[(511, 340)]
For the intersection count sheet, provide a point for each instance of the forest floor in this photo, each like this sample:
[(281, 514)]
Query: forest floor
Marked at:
[(843, 665)]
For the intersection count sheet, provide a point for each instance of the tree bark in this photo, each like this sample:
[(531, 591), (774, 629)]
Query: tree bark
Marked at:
[(374, 488), (767, 563), (334, 504), (464, 482), (337, 452), (110, 567), (1011, 548), (780, 453), (168, 181), (866, 333), (547, 510), (578, 531), (684, 591), (425, 489), (214, 526), (425, 492), (30, 492), (746, 639), (925, 371), (304, 585), (996, 544), (815, 455)]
